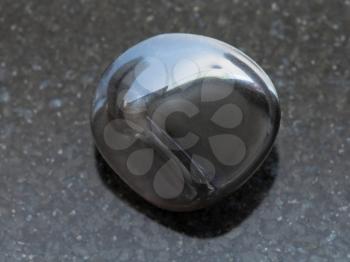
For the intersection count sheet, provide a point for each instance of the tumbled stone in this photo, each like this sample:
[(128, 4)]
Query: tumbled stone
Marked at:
[(184, 119)]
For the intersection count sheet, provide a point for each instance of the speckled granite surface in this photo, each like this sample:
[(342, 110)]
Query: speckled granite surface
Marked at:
[(60, 202)]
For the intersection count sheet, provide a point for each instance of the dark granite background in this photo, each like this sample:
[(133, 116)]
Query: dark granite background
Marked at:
[(60, 202)]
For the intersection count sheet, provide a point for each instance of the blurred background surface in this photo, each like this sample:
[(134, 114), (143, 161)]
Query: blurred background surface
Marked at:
[(59, 201)]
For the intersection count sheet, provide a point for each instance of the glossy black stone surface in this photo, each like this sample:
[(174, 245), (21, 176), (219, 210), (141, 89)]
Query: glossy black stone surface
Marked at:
[(59, 199), (184, 119)]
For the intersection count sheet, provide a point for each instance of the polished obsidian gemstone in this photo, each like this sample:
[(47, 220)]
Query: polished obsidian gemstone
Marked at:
[(184, 119)]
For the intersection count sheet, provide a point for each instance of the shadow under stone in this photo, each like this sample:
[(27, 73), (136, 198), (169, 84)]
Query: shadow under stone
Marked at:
[(211, 222)]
